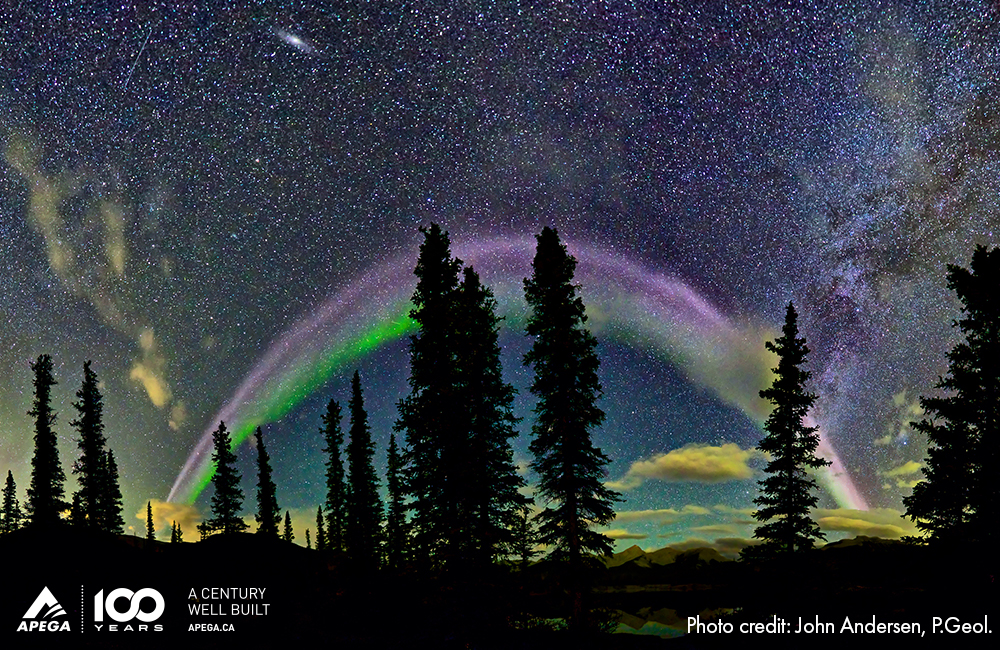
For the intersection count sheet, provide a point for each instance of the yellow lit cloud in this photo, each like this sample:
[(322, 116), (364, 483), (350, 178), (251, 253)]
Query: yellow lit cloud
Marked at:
[(621, 533), (694, 462), (907, 468), (906, 411), (729, 510), (899, 474), (114, 242), (717, 529), (165, 513), (661, 515), (877, 522), (149, 370)]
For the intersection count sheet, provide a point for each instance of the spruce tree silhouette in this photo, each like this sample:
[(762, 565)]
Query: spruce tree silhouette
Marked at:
[(90, 466), (10, 509), (490, 500), (321, 540), (364, 507), (458, 467), (787, 492), (957, 500), (111, 495), (227, 502), (570, 468), (268, 514), (46, 490), (434, 436), (150, 529)]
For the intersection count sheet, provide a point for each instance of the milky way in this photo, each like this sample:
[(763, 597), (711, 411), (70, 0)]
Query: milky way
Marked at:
[(220, 208)]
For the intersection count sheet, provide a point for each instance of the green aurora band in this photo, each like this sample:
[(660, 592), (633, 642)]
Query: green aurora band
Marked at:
[(625, 302)]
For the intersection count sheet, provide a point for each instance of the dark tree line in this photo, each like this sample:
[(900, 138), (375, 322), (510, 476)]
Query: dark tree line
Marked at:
[(457, 472), (453, 492), (353, 522), (455, 477), (98, 502)]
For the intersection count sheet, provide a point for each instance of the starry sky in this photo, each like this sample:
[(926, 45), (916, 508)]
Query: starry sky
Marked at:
[(219, 205)]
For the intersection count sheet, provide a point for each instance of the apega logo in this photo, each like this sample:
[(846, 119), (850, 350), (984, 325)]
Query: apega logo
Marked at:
[(30, 621)]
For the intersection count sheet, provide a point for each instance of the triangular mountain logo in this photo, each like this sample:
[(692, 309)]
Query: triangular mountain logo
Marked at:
[(45, 607), (45, 599)]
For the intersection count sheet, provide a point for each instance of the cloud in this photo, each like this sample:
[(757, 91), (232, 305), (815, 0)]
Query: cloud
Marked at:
[(178, 415), (166, 512), (661, 515), (66, 233), (694, 463), (149, 370), (860, 527), (909, 467), (621, 533), (71, 210), (114, 242), (716, 529), (877, 522)]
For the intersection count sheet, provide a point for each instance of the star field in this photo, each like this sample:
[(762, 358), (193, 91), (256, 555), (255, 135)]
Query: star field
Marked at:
[(184, 183)]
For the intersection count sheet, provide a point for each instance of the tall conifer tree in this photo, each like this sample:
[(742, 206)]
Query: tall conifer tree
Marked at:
[(569, 467), (434, 435), (227, 502), (787, 493), (336, 492), (46, 490), (288, 535), (957, 500), (364, 508), (268, 514), (90, 465), (490, 499), (150, 528)]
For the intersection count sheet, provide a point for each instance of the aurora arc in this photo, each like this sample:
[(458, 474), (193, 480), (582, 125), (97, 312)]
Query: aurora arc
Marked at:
[(624, 300)]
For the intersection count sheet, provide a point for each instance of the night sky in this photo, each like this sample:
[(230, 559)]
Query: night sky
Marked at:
[(220, 207)]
